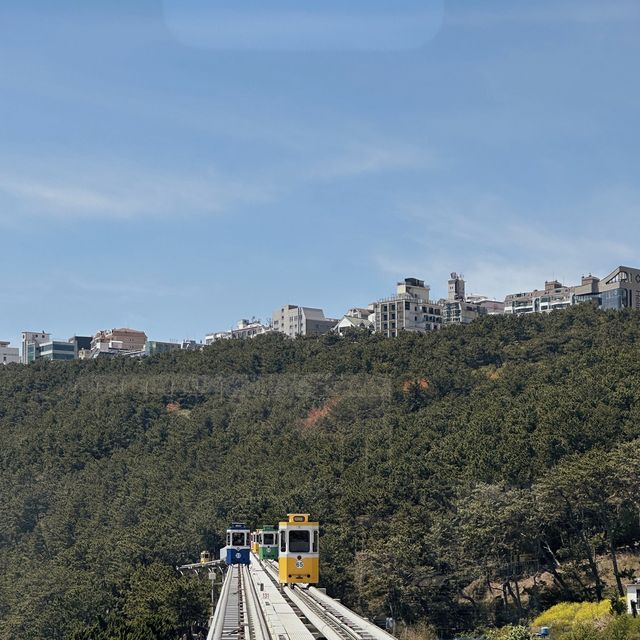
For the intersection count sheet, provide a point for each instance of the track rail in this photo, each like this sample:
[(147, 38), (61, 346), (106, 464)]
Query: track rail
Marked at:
[(254, 606), (238, 614), (332, 619)]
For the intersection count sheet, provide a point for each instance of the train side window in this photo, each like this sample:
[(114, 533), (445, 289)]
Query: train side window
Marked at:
[(228, 538), (283, 541), (315, 541), (299, 541), (267, 538)]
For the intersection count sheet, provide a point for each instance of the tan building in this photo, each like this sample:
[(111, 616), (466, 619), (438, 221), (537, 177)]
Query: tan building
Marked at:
[(409, 310), (117, 342)]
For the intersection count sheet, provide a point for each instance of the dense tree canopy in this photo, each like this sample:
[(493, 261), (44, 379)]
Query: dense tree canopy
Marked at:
[(469, 477)]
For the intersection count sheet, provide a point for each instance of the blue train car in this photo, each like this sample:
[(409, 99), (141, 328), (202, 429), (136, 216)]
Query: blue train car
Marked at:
[(238, 544)]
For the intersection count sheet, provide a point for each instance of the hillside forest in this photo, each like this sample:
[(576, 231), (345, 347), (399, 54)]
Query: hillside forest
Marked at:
[(465, 479)]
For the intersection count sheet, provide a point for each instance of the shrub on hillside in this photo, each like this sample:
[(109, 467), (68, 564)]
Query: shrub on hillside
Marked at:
[(565, 616)]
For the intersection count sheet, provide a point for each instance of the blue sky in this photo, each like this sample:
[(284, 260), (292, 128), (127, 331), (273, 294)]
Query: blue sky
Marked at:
[(176, 165)]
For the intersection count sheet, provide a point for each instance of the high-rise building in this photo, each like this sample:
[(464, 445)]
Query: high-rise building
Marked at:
[(301, 321), (409, 310), (30, 340), (459, 308), (8, 355), (456, 288)]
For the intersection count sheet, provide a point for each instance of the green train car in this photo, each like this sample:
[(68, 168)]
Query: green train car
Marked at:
[(267, 542)]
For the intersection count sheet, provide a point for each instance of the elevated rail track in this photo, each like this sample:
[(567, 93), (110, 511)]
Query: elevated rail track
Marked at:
[(254, 606)]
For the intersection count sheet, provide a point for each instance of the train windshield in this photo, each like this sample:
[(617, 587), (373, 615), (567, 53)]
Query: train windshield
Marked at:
[(299, 541), (267, 538), (237, 539)]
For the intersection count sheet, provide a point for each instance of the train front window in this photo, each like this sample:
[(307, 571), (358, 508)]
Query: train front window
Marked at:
[(299, 542), (237, 539), (267, 538)]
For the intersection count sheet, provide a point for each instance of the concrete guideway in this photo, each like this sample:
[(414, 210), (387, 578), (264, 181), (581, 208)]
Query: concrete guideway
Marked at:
[(331, 618), (283, 622), (253, 606)]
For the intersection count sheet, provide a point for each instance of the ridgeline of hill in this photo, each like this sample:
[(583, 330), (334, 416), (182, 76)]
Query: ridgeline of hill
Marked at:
[(468, 477)]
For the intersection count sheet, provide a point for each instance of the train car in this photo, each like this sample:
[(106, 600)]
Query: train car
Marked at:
[(205, 557), (238, 548), (299, 558), (268, 543), (254, 541)]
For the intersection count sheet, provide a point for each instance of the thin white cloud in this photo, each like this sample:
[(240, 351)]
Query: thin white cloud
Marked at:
[(502, 249), (67, 188), (363, 158), (116, 193)]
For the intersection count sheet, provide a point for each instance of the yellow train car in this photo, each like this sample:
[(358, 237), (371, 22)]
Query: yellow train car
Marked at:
[(255, 544), (299, 559)]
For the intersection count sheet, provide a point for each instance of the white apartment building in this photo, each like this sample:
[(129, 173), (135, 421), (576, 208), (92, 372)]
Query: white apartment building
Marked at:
[(293, 321), (8, 355), (409, 310), (243, 330), (555, 295), (619, 289)]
